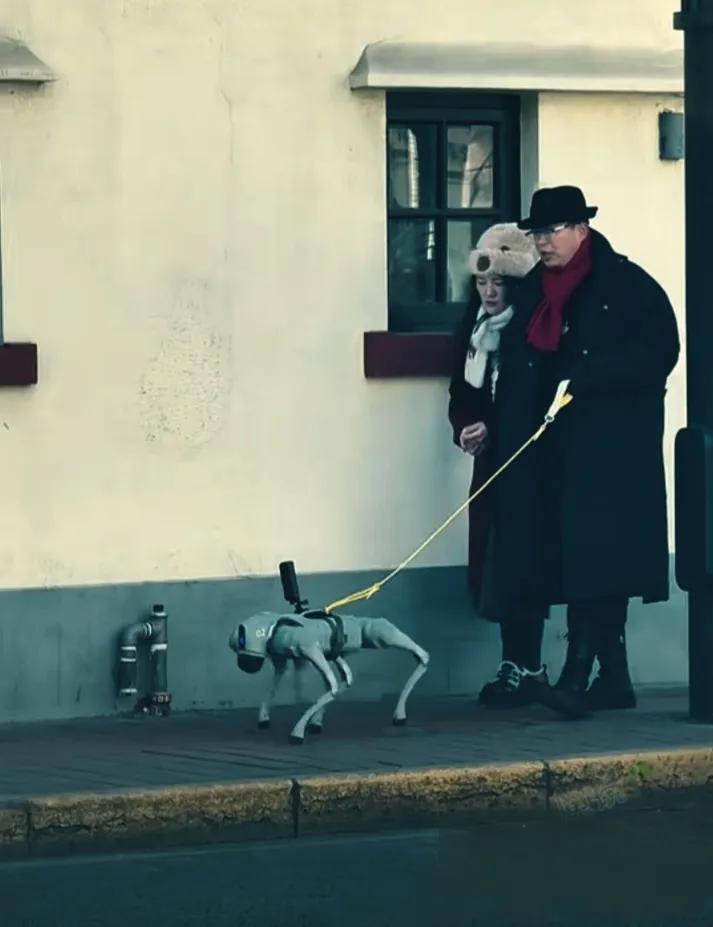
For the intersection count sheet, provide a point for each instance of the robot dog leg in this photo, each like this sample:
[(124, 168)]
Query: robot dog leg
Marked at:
[(378, 633)]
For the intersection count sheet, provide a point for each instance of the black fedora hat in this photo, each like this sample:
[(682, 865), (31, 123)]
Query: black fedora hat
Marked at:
[(557, 204)]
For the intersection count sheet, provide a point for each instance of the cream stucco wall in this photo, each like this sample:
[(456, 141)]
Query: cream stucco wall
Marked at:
[(194, 233)]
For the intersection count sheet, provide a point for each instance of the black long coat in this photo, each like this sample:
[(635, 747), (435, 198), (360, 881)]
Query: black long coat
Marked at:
[(467, 406), (582, 515)]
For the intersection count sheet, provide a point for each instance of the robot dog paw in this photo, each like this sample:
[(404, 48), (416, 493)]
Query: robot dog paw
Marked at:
[(294, 739), (263, 725), (314, 728), (399, 722)]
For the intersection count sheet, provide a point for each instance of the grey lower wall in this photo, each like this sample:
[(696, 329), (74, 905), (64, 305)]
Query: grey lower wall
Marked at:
[(58, 646)]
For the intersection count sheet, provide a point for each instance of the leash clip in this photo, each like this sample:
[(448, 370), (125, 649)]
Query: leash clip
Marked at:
[(561, 399)]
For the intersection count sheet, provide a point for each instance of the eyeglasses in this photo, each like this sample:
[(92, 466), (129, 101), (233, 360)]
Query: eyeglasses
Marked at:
[(549, 230)]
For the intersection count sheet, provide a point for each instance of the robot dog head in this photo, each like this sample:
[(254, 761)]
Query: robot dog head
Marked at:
[(249, 640)]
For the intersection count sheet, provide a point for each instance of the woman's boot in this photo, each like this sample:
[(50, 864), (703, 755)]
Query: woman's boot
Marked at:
[(513, 687), (520, 679), (612, 688)]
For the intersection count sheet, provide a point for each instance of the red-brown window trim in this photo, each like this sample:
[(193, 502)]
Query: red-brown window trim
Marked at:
[(18, 364), (407, 354)]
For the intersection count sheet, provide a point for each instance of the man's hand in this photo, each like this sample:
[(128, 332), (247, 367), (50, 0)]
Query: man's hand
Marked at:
[(473, 437)]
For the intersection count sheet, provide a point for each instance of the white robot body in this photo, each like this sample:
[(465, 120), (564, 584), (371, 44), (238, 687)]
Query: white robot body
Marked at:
[(320, 639)]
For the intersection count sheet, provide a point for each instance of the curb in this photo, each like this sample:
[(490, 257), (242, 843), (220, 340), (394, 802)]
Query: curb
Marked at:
[(341, 804), (381, 801)]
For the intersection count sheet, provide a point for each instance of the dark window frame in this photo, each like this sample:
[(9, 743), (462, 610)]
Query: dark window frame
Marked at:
[(446, 108)]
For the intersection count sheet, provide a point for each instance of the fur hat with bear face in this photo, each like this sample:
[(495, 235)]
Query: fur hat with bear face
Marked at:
[(503, 251)]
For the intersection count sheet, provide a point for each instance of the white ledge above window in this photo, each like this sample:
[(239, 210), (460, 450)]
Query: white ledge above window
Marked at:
[(19, 65), (430, 65)]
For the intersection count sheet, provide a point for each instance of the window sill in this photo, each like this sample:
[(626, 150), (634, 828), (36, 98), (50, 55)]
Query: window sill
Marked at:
[(407, 354), (18, 364)]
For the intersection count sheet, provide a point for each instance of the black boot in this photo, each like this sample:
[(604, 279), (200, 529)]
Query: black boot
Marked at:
[(612, 688), (569, 695)]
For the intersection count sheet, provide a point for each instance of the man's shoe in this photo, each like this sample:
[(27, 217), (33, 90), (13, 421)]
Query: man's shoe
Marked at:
[(513, 687), (571, 703), (612, 689), (610, 694), (568, 697)]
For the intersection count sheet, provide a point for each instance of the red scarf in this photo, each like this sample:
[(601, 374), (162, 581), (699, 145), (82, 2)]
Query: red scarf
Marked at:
[(558, 283)]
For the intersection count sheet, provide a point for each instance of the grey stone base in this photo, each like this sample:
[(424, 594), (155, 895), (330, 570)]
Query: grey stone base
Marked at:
[(58, 646)]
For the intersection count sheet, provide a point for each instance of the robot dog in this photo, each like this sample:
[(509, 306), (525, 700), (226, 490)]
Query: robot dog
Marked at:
[(320, 638)]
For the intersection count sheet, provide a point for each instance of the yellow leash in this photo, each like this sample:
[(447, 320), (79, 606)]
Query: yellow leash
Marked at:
[(562, 399)]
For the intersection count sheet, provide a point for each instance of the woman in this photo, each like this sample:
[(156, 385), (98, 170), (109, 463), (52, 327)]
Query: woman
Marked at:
[(502, 256)]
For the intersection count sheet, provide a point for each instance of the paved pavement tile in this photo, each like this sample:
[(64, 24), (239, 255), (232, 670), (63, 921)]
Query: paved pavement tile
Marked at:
[(114, 753)]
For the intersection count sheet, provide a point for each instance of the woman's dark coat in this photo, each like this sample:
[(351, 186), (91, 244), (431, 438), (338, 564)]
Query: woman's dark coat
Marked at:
[(582, 514), (467, 406)]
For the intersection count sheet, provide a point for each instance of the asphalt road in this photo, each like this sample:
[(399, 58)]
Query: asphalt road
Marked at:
[(630, 869)]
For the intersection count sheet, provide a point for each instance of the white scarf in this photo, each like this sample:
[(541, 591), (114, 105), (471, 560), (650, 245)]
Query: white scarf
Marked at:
[(484, 340)]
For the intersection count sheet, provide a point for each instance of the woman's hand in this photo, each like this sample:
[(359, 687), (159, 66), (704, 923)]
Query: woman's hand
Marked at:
[(473, 437)]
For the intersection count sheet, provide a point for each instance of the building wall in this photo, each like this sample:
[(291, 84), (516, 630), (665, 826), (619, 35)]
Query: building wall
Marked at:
[(194, 233)]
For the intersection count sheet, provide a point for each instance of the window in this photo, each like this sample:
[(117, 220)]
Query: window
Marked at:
[(452, 171)]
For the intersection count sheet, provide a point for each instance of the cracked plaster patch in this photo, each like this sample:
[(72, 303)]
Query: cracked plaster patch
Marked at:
[(185, 389)]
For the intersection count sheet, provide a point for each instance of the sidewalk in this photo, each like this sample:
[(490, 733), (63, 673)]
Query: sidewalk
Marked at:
[(215, 770)]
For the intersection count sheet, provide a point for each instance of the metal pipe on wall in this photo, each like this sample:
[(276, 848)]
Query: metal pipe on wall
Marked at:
[(154, 631)]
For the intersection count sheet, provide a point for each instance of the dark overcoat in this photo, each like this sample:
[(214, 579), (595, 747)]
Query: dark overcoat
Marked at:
[(468, 405), (582, 514)]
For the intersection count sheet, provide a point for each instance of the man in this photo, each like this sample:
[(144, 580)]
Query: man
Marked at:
[(581, 517)]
